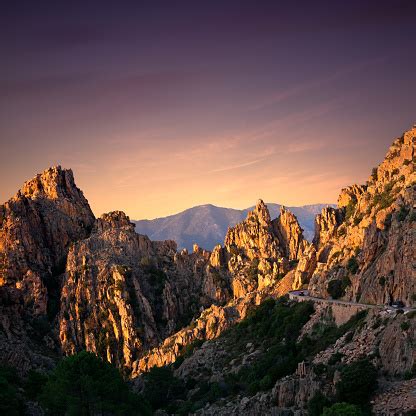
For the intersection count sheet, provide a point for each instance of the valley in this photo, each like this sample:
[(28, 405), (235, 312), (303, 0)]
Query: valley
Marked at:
[(224, 331)]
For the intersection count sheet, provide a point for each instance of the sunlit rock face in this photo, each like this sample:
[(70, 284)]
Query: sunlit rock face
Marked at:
[(37, 227), (369, 240), (139, 303), (261, 258), (124, 294)]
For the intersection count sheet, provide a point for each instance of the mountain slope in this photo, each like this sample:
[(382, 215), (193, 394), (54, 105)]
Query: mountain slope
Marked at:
[(70, 282), (206, 225)]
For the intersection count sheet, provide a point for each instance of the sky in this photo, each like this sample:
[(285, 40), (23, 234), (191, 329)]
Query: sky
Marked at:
[(161, 106)]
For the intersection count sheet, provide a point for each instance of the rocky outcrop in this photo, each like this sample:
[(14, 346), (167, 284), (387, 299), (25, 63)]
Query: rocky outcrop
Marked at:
[(23, 339), (255, 237), (209, 325), (290, 234), (140, 303), (395, 398), (124, 294), (121, 295), (350, 195), (37, 227), (326, 227), (368, 242), (261, 251), (385, 339), (255, 256)]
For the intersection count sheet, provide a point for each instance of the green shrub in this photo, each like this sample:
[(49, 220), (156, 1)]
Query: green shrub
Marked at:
[(335, 358), (342, 231), (411, 314), (10, 401), (403, 212), (382, 281), (376, 323), (385, 198), (253, 269), (374, 175), (336, 288), (145, 261), (234, 250), (83, 384), (190, 348), (358, 219), (161, 387), (34, 384), (157, 279), (218, 279), (342, 409), (387, 220), (352, 265), (357, 383), (350, 209), (319, 369), (317, 404), (277, 324), (293, 263), (329, 335), (395, 171), (405, 326)]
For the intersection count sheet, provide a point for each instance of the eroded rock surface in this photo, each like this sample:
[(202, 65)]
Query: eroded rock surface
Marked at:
[(369, 241), (37, 227)]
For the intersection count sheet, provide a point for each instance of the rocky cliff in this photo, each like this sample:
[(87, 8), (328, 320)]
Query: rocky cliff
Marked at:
[(384, 339), (37, 227), (368, 243), (70, 282), (124, 294), (116, 292)]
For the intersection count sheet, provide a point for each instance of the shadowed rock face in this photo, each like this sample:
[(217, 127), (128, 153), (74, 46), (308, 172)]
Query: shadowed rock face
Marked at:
[(255, 256), (370, 239), (37, 227), (290, 234), (124, 294), (118, 293)]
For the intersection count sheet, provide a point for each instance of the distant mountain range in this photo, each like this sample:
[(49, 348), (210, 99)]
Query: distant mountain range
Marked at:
[(207, 225)]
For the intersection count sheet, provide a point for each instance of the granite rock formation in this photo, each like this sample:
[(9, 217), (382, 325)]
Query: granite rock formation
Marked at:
[(37, 227), (369, 241)]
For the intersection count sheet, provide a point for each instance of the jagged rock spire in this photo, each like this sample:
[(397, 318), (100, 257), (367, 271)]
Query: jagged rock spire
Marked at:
[(290, 233)]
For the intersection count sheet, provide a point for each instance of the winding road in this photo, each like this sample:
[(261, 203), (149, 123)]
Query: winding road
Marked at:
[(304, 295)]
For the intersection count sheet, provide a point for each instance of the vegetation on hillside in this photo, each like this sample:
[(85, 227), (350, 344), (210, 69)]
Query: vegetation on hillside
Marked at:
[(272, 330), (82, 384)]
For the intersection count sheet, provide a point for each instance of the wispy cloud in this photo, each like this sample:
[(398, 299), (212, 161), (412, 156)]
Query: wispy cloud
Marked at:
[(305, 87), (238, 166)]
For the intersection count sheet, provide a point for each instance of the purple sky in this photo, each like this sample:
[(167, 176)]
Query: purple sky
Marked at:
[(159, 106)]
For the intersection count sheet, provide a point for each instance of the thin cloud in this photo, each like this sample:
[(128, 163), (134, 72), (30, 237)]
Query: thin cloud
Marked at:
[(306, 86), (240, 165)]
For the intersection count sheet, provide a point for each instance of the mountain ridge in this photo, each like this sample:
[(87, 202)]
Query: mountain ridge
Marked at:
[(207, 224), (71, 282)]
